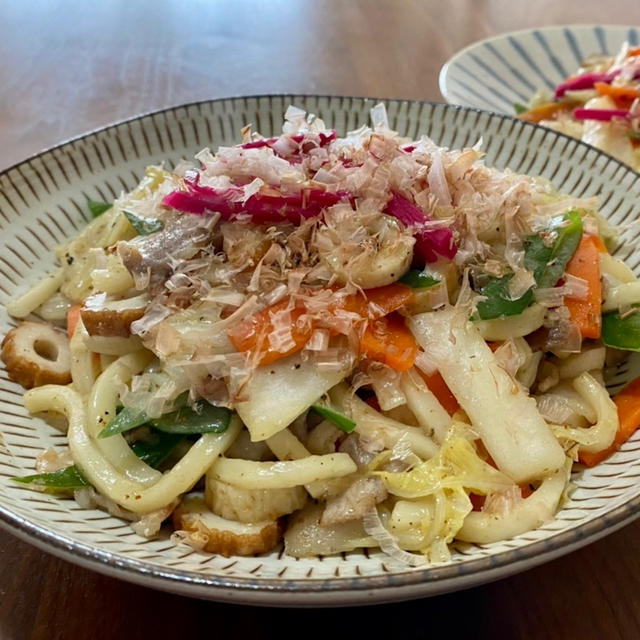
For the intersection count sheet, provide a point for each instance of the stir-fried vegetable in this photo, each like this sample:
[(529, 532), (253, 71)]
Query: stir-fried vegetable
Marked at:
[(251, 335), (202, 417), (417, 279), (66, 479), (73, 316), (390, 341), (125, 420), (335, 417), (546, 111), (622, 331), (152, 450), (143, 226), (441, 391), (98, 208), (497, 301), (596, 105), (585, 312), (509, 424), (547, 253), (627, 403)]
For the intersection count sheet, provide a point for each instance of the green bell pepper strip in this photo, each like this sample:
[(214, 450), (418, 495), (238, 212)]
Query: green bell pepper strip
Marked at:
[(65, 479), (125, 420), (498, 303), (335, 417), (156, 448), (417, 279), (202, 418), (622, 332), (548, 262), (143, 226), (97, 208), (152, 450)]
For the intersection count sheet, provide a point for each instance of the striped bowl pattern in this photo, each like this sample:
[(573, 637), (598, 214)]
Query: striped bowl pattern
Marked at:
[(42, 202), (494, 74)]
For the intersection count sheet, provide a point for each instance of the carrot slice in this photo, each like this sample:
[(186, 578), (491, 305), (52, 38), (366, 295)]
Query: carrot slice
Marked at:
[(622, 96), (547, 111), (633, 52), (252, 334), (390, 341), (628, 405), (73, 315), (436, 384), (380, 301), (585, 313)]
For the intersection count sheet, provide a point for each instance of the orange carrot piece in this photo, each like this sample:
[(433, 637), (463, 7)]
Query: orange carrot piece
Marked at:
[(252, 334), (628, 405), (390, 341), (585, 313), (379, 301), (599, 244), (73, 315), (547, 111), (633, 52), (622, 96), (436, 384)]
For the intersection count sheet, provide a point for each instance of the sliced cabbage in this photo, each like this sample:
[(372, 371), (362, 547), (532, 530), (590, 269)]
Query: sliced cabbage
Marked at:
[(279, 392), (456, 465), (506, 418)]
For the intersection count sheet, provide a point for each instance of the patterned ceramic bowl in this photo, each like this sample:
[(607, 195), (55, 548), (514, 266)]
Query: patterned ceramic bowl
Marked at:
[(42, 203), (496, 73)]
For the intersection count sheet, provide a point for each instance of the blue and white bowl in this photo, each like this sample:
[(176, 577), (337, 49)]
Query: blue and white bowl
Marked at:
[(494, 74), (41, 206)]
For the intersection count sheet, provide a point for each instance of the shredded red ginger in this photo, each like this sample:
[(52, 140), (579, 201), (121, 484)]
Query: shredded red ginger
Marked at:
[(247, 195)]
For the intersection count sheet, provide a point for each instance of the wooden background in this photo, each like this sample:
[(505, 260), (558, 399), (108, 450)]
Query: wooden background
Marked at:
[(70, 66)]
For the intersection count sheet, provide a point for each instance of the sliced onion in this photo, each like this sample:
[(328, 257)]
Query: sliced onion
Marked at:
[(386, 384), (374, 527)]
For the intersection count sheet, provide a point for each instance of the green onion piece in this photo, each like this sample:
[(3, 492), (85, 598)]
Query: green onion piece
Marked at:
[(548, 261), (154, 449), (202, 418), (634, 135), (519, 108), (97, 208), (125, 420), (622, 332), (335, 417), (417, 279), (143, 226), (498, 303), (61, 480)]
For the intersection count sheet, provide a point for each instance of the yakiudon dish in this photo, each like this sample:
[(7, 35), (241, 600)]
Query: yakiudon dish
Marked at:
[(598, 105), (342, 342)]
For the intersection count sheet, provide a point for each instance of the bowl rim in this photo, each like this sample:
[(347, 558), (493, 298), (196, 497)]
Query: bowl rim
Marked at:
[(579, 26), (317, 591)]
